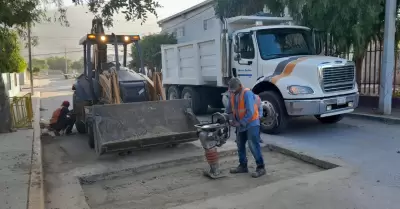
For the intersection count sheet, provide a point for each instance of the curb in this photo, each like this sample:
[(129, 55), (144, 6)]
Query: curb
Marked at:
[(379, 118), (36, 199)]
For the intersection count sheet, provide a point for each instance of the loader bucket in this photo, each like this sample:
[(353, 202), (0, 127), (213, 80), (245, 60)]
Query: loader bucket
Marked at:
[(139, 125)]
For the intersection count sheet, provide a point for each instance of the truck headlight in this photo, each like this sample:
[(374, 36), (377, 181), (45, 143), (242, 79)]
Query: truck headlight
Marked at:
[(299, 90)]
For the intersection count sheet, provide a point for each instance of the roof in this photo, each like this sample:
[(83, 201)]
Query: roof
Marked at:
[(197, 6)]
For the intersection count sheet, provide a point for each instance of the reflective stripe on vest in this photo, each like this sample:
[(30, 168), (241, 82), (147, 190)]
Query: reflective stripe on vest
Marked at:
[(241, 107), (55, 116)]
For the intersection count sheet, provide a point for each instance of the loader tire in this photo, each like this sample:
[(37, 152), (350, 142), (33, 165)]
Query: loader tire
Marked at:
[(275, 117), (199, 105), (173, 92), (90, 135), (80, 127)]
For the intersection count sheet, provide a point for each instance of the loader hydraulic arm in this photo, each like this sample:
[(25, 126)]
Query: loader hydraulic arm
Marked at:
[(99, 50)]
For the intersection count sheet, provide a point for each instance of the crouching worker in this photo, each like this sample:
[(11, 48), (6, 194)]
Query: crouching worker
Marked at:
[(62, 119), (243, 106)]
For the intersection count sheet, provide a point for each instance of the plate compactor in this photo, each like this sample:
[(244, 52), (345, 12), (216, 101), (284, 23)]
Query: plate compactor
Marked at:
[(213, 135)]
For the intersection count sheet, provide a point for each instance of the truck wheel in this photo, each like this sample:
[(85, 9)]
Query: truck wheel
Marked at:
[(217, 102), (199, 106), (330, 119), (90, 135), (275, 118), (173, 93)]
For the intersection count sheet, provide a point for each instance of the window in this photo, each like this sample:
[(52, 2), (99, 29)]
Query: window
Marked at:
[(208, 24), (180, 32), (246, 47), (175, 33), (274, 43)]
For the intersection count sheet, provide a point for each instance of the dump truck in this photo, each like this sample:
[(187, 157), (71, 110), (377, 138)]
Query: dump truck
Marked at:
[(281, 62), (113, 105)]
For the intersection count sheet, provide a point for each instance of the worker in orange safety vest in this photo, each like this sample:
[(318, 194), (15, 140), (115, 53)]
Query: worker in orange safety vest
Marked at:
[(243, 107), (61, 119)]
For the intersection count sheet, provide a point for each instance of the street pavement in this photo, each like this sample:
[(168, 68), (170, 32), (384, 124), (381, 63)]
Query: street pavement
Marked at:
[(372, 148)]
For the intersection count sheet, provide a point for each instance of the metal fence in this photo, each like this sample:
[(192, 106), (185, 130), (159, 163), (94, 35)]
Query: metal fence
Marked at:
[(368, 77), (21, 111)]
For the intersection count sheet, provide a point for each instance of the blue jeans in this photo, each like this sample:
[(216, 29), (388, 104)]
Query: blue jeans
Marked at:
[(252, 135)]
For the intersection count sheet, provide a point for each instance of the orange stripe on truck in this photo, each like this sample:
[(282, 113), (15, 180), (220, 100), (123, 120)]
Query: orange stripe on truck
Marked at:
[(288, 69)]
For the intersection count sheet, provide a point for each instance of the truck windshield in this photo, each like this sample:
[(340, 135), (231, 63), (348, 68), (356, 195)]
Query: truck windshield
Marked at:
[(284, 42)]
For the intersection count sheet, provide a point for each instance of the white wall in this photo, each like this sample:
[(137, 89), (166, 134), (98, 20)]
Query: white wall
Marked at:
[(11, 81), (199, 24)]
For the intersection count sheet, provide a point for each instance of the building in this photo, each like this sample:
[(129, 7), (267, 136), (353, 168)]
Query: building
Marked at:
[(12, 83), (194, 23)]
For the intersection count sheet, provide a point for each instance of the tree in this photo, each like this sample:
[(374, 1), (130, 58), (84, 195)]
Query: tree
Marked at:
[(10, 61), (58, 63), (40, 64), (151, 50), (132, 9), (78, 65), (36, 70), (352, 24)]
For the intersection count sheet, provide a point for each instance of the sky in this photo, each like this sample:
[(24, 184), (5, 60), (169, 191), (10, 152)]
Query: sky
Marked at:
[(55, 39)]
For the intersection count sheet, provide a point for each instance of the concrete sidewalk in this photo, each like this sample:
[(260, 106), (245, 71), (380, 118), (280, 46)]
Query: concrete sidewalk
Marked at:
[(373, 114), (15, 164)]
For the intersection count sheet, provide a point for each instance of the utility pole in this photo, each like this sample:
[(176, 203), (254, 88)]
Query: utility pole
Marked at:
[(66, 62), (386, 82), (30, 56)]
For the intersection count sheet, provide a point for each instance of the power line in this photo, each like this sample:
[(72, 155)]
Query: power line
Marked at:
[(55, 53)]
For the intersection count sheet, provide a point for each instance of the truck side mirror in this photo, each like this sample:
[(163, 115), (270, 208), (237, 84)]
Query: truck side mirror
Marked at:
[(317, 40), (237, 57), (237, 44)]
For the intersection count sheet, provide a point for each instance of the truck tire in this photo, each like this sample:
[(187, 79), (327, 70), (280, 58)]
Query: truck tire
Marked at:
[(330, 119), (199, 106), (80, 127), (90, 135), (216, 102), (273, 105), (173, 92)]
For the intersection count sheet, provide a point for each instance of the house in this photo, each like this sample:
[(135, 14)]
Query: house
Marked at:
[(195, 23), (12, 83)]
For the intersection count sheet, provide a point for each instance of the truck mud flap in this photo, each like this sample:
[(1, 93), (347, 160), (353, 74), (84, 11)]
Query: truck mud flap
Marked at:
[(141, 125)]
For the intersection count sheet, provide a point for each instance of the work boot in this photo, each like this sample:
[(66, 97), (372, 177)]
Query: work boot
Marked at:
[(260, 171), (239, 169), (57, 133)]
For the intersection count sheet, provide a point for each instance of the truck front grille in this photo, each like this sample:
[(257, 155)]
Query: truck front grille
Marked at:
[(338, 78)]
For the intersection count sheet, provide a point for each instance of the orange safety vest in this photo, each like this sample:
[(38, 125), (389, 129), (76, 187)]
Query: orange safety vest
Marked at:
[(56, 114), (242, 108)]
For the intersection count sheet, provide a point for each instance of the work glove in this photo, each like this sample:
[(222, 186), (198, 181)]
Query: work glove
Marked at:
[(234, 124)]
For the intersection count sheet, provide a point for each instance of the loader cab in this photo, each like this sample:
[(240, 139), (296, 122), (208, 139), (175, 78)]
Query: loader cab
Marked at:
[(95, 52)]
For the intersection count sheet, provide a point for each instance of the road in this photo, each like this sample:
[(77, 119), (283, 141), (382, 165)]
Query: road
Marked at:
[(372, 148)]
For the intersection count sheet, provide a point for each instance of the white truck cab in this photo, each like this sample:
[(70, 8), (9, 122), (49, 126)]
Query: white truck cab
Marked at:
[(279, 62)]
